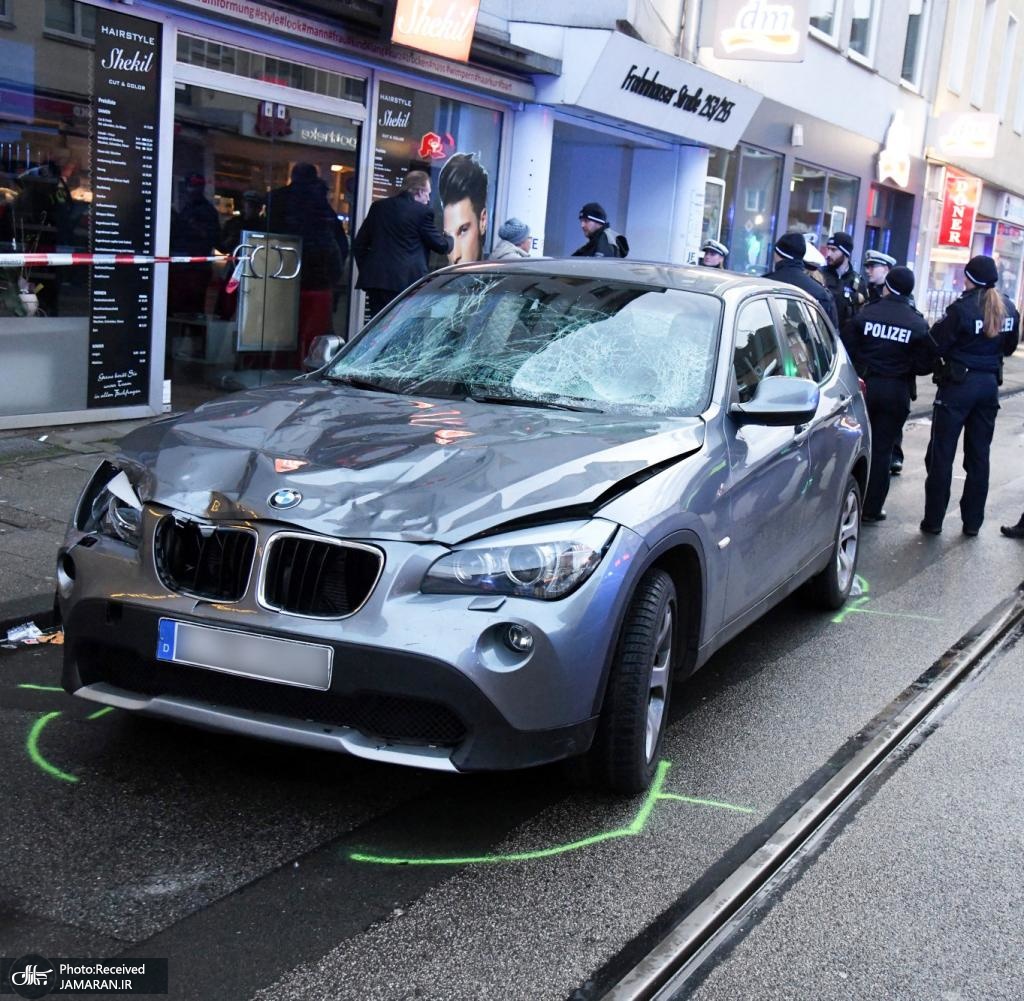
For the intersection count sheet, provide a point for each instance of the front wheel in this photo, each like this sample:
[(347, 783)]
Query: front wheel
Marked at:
[(625, 753), (830, 588)]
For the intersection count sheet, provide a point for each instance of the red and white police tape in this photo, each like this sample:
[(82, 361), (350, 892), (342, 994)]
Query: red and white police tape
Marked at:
[(65, 260)]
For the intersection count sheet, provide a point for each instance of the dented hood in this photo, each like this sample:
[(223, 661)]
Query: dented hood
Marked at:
[(374, 466)]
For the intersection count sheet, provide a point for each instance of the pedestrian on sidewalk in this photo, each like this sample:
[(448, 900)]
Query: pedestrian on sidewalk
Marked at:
[(514, 241), (601, 241), (977, 332), (889, 344)]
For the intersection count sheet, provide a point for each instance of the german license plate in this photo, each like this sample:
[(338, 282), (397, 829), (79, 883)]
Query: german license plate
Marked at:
[(249, 655)]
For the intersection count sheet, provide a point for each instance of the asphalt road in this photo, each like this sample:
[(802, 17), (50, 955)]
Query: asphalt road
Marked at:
[(266, 872)]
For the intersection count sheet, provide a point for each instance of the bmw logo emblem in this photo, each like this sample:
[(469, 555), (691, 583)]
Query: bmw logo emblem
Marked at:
[(285, 499)]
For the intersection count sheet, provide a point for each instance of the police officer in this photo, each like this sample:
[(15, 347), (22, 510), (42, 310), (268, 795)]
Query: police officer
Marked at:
[(714, 253), (876, 267), (847, 287), (978, 330), (789, 268), (889, 344)]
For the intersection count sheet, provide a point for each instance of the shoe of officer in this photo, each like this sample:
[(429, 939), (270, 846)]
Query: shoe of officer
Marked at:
[(873, 519), (895, 468), (1014, 531)]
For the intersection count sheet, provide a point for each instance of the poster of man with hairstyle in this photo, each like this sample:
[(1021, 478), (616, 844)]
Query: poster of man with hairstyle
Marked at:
[(462, 186)]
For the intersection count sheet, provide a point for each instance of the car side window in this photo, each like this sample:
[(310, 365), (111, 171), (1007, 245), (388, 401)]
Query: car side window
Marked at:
[(798, 339), (824, 342), (757, 355)]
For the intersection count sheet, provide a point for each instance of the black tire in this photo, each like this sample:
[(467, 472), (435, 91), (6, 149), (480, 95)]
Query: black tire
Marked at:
[(627, 745), (830, 588)]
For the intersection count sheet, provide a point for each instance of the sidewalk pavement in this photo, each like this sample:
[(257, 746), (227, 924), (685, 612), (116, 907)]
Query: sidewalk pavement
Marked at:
[(43, 470)]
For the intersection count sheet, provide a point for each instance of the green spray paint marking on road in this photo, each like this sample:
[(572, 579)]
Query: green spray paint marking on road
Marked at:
[(32, 741), (862, 587), (32, 746), (636, 827)]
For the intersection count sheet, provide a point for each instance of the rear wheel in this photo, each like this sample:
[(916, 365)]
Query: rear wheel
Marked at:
[(830, 588), (625, 753)]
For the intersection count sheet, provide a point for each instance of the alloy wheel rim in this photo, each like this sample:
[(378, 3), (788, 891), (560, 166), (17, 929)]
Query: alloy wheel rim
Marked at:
[(661, 665), (846, 543)]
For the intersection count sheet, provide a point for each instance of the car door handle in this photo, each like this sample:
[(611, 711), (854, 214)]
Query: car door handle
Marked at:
[(803, 431)]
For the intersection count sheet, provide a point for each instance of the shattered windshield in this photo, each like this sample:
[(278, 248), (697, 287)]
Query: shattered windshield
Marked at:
[(545, 340)]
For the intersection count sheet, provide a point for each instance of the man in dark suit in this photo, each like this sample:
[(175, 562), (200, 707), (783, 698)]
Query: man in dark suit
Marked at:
[(392, 245)]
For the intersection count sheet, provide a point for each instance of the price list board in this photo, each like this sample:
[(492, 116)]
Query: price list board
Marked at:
[(126, 104)]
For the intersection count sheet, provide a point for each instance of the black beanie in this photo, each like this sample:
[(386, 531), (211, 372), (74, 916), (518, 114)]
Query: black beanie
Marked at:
[(900, 280), (843, 242), (982, 271), (792, 246), (594, 213)]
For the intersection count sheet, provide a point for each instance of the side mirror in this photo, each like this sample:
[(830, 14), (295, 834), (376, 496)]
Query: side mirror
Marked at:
[(780, 400), (321, 351)]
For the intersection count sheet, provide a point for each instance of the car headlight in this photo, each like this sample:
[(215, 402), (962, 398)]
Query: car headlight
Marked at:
[(546, 562), (110, 506)]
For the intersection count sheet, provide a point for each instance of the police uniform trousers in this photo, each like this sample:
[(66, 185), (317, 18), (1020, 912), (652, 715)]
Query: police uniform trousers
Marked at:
[(969, 406), (888, 399)]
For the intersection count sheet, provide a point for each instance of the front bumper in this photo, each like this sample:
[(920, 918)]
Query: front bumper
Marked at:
[(418, 679)]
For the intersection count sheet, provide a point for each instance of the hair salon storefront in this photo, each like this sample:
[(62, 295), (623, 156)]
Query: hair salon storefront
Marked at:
[(134, 138)]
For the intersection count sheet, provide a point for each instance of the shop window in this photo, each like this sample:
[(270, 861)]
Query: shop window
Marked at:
[(863, 28), (69, 17), (256, 66), (821, 201), (751, 179), (5, 10), (913, 47), (887, 227), (825, 17)]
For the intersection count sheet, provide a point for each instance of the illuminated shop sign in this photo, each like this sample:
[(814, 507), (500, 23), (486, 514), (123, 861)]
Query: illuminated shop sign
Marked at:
[(444, 27), (969, 133), (959, 207), (755, 30), (894, 157)]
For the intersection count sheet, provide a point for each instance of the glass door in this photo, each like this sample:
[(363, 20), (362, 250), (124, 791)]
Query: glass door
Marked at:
[(272, 186)]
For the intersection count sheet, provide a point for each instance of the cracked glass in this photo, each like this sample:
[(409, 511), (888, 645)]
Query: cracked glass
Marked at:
[(563, 341)]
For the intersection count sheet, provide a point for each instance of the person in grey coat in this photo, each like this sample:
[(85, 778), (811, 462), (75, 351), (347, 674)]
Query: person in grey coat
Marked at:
[(514, 241)]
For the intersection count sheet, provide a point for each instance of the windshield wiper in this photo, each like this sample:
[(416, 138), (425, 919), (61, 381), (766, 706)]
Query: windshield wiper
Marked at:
[(514, 401), (356, 383)]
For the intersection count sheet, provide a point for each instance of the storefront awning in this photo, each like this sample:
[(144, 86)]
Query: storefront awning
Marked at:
[(620, 78)]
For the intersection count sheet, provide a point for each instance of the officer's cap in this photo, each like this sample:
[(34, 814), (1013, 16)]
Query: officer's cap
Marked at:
[(716, 247), (877, 257)]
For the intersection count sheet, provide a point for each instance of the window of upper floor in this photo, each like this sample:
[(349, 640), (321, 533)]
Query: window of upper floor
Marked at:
[(1006, 67), (914, 45), (70, 19), (959, 53), (979, 79), (864, 30), (825, 17)]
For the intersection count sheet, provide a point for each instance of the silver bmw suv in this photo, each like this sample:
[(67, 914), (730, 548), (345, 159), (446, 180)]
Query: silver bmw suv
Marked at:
[(491, 532)]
